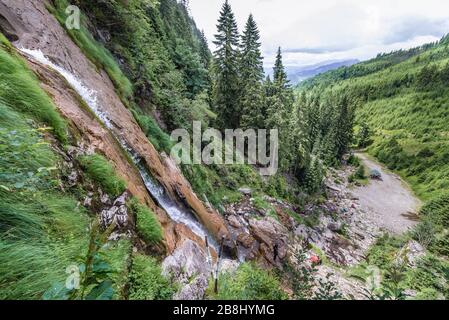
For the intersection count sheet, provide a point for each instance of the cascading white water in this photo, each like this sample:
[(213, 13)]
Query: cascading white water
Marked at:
[(175, 212)]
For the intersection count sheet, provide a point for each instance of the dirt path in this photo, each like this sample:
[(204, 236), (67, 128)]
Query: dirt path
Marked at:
[(392, 204)]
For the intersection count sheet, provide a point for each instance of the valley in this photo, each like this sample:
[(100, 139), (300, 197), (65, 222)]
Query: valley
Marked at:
[(93, 205)]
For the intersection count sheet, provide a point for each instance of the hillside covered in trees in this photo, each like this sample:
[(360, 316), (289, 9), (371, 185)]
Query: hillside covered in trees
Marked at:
[(401, 103), (92, 206)]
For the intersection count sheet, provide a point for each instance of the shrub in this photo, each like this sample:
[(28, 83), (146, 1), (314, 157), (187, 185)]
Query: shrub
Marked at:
[(424, 233), (360, 173), (250, 283), (99, 170), (147, 281), (147, 224), (437, 210), (160, 140)]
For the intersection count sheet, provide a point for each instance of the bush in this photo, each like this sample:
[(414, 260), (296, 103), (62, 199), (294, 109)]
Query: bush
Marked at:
[(147, 281), (160, 140), (437, 210), (360, 173), (100, 171), (424, 233), (148, 227), (250, 283)]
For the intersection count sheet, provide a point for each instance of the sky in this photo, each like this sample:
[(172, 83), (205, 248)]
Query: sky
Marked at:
[(316, 31)]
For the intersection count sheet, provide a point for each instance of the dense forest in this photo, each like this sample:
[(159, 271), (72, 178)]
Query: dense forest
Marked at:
[(53, 188)]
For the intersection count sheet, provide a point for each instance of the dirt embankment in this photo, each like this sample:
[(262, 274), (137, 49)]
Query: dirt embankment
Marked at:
[(36, 29)]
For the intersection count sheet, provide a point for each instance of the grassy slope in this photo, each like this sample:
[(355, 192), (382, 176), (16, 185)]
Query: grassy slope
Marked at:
[(43, 230), (397, 107)]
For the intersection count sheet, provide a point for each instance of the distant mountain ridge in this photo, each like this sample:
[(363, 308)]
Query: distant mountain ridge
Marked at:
[(297, 74)]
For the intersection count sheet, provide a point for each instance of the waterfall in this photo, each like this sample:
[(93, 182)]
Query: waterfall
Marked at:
[(175, 211)]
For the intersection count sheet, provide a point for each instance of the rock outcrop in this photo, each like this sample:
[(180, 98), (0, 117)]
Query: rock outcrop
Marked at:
[(36, 29), (189, 267)]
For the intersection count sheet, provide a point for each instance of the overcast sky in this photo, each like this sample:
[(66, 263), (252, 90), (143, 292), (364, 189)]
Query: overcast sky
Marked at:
[(314, 31)]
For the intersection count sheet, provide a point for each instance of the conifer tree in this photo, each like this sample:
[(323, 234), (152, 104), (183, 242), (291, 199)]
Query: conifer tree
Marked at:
[(280, 77), (204, 50), (251, 69), (227, 84)]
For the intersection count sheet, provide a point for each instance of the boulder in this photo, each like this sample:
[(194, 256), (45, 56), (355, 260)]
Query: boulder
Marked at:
[(273, 239), (246, 191), (188, 266)]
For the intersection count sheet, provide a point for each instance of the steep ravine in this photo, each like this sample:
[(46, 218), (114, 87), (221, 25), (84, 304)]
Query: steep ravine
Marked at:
[(37, 29)]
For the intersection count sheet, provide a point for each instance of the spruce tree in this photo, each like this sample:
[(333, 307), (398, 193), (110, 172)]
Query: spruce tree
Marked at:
[(252, 74), (204, 50), (227, 84), (280, 77)]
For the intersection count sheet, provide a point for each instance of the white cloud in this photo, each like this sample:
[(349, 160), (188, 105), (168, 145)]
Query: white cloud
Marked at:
[(320, 30)]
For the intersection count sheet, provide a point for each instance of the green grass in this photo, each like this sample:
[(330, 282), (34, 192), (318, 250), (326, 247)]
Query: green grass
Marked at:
[(160, 140), (41, 235), (100, 171), (20, 90), (403, 98), (42, 231), (118, 256), (147, 281), (96, 52), (249, 283), (148, 227)]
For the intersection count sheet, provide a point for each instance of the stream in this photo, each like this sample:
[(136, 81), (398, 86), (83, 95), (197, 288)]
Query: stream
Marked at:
[(176, 212)]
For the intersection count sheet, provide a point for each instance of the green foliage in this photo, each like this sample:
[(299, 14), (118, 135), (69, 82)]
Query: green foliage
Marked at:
[(432, 232), (118, 256), (147, 224), (402, 99), (249, 283), (227, 84), (147, 282), (161, 50), (42, 233), (20, 90), (100, 171), (302, 277), (252, 74), (26, 162), (95, 51), (360, 173), (160, 140), (383, 253), (364, 136)]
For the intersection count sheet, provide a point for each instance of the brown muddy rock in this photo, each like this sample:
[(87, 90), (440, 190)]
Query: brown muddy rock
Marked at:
[(37, 29), (273, 239), (246, 240), (177, 233)]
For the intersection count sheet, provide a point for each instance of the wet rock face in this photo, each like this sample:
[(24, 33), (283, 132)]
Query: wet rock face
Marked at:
[(188, 267), (37, 29)]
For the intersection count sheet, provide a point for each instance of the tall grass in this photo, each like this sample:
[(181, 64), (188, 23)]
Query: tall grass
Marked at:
[(19, 88), (100, 171), (147, 224), (42, 231), (41, 235)]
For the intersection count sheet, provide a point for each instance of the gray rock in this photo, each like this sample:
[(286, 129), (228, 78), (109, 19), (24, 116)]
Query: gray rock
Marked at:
[(188, 267), (121, 201), (246, 191)]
